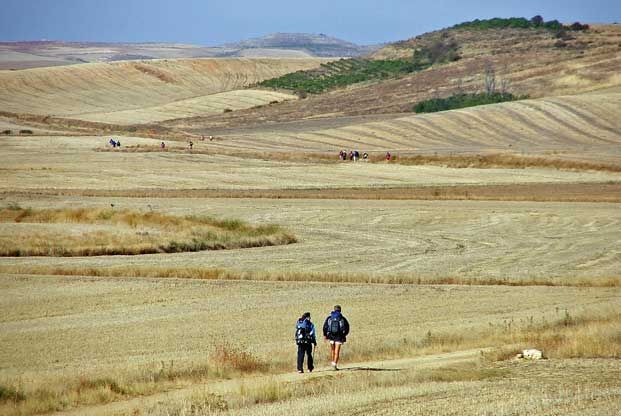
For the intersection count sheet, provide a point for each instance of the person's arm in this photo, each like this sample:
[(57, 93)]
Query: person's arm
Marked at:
[(325, 328), (346, 326), (313, 334)]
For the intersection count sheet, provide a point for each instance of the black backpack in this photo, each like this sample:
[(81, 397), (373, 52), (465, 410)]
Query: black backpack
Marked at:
[(336, 325), (303, 332)]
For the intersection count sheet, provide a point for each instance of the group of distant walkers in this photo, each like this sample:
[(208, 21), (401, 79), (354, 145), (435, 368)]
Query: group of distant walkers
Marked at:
[(354, 156), (114, 143), (335, 331)]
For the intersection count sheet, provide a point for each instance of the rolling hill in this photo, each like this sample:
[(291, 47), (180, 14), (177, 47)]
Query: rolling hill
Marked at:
[(79, 91), (313, 44)]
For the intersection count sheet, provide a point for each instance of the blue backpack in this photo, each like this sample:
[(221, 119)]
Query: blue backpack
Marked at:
[(303, 332)]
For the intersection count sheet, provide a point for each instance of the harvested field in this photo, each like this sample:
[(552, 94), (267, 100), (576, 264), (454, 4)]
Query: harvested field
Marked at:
[(208, 104), (23, 169), (404, 240), (532, 65), (496, 229), (103, 88), (582, 127), (72, 318)]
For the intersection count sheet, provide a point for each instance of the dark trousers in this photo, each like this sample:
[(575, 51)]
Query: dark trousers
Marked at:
[(308, 350)]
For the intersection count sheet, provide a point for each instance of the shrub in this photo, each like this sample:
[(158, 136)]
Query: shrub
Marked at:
[(337, 74), (227, 355), (518, 23), (227, 110), (10, 394), (440, 51), (25, 131), (463, 101), (537, 21), (578, 26), (6, 132)]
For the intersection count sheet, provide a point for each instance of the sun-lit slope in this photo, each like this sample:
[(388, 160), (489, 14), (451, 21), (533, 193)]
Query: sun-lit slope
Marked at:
[(531, 62), (208, 104), (106, 87), (571, 123)]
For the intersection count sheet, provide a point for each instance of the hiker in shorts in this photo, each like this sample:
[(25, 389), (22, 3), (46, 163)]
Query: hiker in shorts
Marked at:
[(335, 331), (306, 339)]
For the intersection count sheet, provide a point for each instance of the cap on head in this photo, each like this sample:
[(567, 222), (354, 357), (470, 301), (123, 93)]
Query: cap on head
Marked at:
[(306, 315), (337, 308)]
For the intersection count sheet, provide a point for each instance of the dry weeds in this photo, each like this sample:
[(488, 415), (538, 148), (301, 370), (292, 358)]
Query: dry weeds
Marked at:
[(169, 319), (207, 273), (127, 233), (476, 161), (225, 362), (540, 192)]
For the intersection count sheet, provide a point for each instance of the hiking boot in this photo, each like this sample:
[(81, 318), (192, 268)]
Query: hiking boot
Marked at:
[(334, 366), (300, 371)]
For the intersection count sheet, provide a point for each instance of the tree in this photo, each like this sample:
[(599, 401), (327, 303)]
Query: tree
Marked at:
[(537, 20), (489, 79), (579, 26)]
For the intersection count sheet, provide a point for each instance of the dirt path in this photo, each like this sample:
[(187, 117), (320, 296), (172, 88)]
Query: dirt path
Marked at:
[(227, 386)]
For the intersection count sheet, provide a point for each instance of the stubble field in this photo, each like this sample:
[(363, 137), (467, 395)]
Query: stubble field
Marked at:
[(445, 272)]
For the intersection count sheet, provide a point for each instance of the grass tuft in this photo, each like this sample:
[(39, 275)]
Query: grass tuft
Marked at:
[(11, 394), (125, 232), (229, 356)]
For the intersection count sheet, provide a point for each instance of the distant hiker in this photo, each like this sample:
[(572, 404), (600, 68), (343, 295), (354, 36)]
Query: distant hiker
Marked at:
[(335, 331), (351, 155), (112, 143), (341, 155), (365, 156), (163, 145), (356, 155), (118, 143), (306, 339), (388, 156), (191, 144)]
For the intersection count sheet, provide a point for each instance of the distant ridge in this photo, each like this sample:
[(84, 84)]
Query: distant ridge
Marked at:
[(314, 44), (34, 54)]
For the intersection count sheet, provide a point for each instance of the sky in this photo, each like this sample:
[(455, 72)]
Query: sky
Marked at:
[(214, 22)]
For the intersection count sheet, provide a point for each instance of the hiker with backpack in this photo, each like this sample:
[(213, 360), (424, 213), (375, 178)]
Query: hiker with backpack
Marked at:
[(306, 339), (335, 331)]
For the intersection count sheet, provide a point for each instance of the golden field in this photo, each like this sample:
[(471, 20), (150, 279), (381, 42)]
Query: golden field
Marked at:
[(495, 229)]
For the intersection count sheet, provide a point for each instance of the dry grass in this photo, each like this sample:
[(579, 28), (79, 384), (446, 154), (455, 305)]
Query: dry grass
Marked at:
[(586, 336), (540, 192), (568, 337), (225, 361), (128, 233), (476, 161), (187, 316), (206, 273), (510, 161)]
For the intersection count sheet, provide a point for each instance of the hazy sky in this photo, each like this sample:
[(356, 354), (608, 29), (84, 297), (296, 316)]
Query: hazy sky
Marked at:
[(213, 22)]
